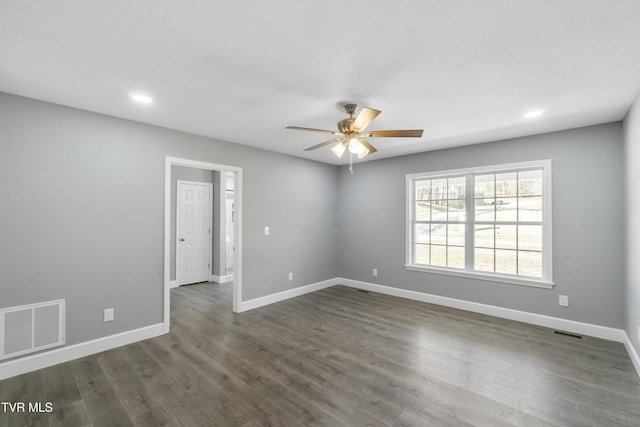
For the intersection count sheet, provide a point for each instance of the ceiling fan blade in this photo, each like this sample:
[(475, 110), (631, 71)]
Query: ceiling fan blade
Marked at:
[(369, 147), (332, 132), (365, 117), (322, 144), (416, 133)]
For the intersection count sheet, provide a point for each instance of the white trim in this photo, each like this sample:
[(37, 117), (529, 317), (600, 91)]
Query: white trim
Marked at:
[(177, 241), (237, 283), (572, 326), (173, 284), (291, 293), (635, 359), (34, 362), (221, 279)]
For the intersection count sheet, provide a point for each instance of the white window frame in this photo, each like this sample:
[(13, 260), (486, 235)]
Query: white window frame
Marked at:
[(546, 281)]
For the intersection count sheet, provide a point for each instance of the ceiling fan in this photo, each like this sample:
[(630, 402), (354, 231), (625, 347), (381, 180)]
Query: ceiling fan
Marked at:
[(352, 130)]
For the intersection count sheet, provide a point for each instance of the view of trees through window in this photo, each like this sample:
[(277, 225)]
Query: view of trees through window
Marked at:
[(504, 214)]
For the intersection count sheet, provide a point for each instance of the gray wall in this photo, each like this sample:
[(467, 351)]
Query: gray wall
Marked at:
[(588, 226), (82, 214), (187, 174), (632, 156)]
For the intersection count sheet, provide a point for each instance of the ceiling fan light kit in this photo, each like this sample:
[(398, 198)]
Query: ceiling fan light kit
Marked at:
[(350, 130)]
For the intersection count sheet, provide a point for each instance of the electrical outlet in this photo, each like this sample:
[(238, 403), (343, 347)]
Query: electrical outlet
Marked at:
[(375, 272), (108, 314), (563, 300), (290, 276), (266, 231)]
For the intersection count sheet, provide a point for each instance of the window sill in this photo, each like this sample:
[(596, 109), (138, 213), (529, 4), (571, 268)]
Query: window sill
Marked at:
[(483, 276)]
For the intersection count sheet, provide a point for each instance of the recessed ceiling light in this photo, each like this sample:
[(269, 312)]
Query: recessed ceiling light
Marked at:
[(534, 113), (138, 97)]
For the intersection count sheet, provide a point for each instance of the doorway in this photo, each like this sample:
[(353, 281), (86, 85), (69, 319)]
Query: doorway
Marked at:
[(236, 238)]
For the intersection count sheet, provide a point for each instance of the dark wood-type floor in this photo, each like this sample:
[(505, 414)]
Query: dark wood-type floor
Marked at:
[(337, 357)]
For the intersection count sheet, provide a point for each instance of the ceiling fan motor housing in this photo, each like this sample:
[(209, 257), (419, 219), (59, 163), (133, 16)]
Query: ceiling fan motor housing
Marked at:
[(346, 126)]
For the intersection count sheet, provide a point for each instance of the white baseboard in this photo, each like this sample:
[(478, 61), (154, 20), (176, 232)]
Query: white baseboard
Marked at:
[(588, 329), (280, 296), (632, 353), (221, 279), (173, 284), (45, 359)]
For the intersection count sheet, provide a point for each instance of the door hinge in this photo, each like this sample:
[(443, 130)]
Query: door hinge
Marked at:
[(209, 265), (209, 231)]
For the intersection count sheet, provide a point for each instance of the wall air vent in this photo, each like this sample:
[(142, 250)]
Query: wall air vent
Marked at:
[(30, 328)]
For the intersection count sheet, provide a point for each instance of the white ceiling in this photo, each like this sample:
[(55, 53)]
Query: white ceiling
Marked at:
[(464, 70)]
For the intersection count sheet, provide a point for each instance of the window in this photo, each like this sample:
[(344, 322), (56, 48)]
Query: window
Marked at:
[(491, 223)]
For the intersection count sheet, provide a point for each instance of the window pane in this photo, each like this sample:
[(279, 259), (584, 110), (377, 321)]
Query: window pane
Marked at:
[(439, 255), (456, 210), (439, 189), (484, 236), (439, 212), (421, 233), (456, 188), (423, 211), (485, 209), (483, 259), (530, 183), (423, 189), (507, 209), (421, 254), (455, 234), (530, 237), (506, 237), (506, 184), (530, 264), (506, 261), (455, 257), (530, 208), (484, 186), (439, 234)]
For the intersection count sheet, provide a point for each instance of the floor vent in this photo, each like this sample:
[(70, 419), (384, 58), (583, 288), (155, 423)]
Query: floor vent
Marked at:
[(30, 328), (569, 334)]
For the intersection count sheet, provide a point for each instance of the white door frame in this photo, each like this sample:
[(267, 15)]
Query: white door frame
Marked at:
[(207, 184), (237, 229)]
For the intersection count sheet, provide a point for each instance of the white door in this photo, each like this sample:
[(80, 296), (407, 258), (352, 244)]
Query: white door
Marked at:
[(193, 229)]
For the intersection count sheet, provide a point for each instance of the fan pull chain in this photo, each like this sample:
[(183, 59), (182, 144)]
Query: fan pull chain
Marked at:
[(350, 162)]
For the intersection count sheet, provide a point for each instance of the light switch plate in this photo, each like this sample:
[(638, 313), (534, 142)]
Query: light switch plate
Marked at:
[(266, 231), (563, 300)]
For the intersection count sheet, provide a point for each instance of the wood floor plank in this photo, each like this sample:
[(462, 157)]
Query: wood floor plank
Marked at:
[(73, 414), (212, 398), (98, 395), (59, 385), (26, 389), (183, 410), (140, 404)]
